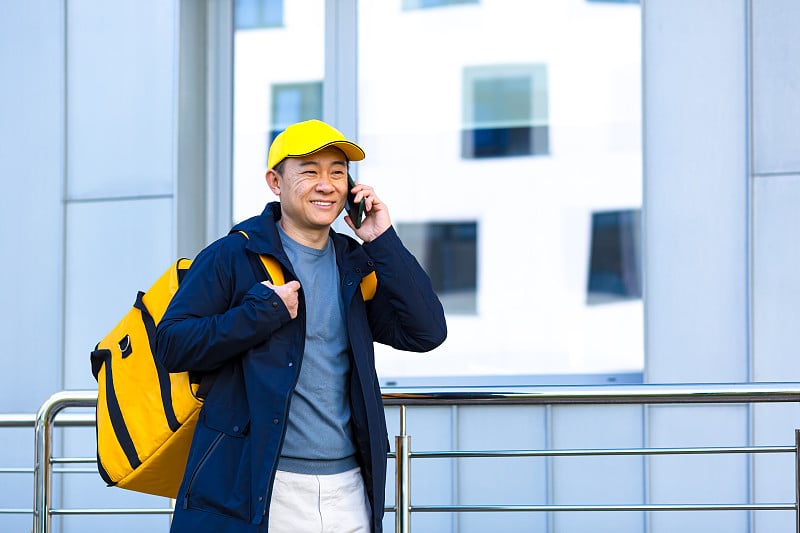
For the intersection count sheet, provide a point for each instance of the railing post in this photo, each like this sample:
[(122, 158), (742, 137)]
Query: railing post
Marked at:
[(42, 468), (43, 451), (797, 480), (402, 485)]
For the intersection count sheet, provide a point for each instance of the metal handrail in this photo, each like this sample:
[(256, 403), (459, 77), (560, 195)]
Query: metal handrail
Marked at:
[(581, 395), (45, 420), (597, 394)]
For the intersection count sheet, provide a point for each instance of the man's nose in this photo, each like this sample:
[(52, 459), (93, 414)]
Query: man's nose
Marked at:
[(325, 182)]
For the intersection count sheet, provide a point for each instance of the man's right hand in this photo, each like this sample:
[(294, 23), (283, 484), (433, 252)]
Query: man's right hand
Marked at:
[(288, 293)]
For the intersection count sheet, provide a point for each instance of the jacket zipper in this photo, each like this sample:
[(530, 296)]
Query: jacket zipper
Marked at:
[(200, 465), (286, 413)]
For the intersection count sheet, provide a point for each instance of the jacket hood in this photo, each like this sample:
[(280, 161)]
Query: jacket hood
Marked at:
[(262, 231)]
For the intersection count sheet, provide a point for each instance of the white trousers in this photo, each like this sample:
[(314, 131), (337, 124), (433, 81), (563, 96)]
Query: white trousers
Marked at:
[(306, 503)]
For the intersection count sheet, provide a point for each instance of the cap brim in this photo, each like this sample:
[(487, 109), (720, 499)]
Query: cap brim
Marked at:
[(350, 149)]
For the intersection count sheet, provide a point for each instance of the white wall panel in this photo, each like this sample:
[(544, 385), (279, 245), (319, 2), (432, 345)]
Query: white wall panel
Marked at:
[(430, 429), (776, 284), (774, 474), (114, 249), (697, 479), (31, 217), (602, 480), (121, 97), (695, 191), (31, 229), (502, 481), (776, 86)]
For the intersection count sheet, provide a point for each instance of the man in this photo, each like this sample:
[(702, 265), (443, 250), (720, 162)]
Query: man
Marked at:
[(292, 435)]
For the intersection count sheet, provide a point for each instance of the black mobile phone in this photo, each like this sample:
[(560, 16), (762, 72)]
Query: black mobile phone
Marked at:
[(354, 210)]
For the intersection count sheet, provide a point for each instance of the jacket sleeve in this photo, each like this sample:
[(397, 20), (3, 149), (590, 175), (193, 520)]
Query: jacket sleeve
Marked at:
[(207, 322), (405, 312)]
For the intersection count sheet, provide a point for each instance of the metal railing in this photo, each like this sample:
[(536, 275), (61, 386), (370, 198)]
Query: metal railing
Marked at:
[(576, 395), (46, 419)]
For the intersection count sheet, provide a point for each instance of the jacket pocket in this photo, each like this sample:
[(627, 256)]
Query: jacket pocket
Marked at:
[(220, 481)]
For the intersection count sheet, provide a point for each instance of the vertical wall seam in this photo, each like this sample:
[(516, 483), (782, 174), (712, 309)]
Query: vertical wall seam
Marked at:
[(455, 465), (646, 466), (548, 468), (64, 220), (749, 256), (64, 191)]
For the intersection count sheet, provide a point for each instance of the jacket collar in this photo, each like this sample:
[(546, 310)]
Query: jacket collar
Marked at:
[(263, 238)]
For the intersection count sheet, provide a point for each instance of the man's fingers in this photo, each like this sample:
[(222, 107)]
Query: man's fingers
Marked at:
[(292, 285), (295, 285)]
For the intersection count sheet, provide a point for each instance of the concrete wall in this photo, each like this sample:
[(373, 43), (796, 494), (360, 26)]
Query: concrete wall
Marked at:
[(721, 105), (88, 135)]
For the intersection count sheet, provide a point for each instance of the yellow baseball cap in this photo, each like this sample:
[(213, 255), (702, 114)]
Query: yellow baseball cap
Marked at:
[(304, 138)]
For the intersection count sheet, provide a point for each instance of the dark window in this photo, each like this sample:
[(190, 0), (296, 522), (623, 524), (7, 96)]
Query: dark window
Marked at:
[(615, 259), (256, 14), (422, 4), (505, 112), (448, 251), (294, 102)]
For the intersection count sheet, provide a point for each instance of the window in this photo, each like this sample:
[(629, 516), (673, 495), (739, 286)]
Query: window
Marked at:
[(422, 4), (448, 253), (293, 102), (615, 258), (505, 112), (256, 14)]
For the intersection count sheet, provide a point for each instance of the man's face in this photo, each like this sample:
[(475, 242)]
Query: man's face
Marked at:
[(313, 189)]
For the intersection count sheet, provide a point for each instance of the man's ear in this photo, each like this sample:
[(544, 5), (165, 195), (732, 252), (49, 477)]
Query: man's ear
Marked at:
[(273, 182)]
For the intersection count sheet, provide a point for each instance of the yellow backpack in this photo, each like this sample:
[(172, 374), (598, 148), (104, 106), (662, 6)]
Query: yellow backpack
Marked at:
[(145, 415)]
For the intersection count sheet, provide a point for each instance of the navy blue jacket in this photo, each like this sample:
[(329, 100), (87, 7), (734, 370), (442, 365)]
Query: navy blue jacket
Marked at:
[(224, 321)]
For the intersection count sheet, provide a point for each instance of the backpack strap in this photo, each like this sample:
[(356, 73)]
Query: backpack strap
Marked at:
[(271, 265), (369, 284), (273, 268)]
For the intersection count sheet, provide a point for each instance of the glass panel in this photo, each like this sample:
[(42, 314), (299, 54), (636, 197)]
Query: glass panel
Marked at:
[(293, 102), (448, 252), (272, 89), (523, 118), (253, 14)]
